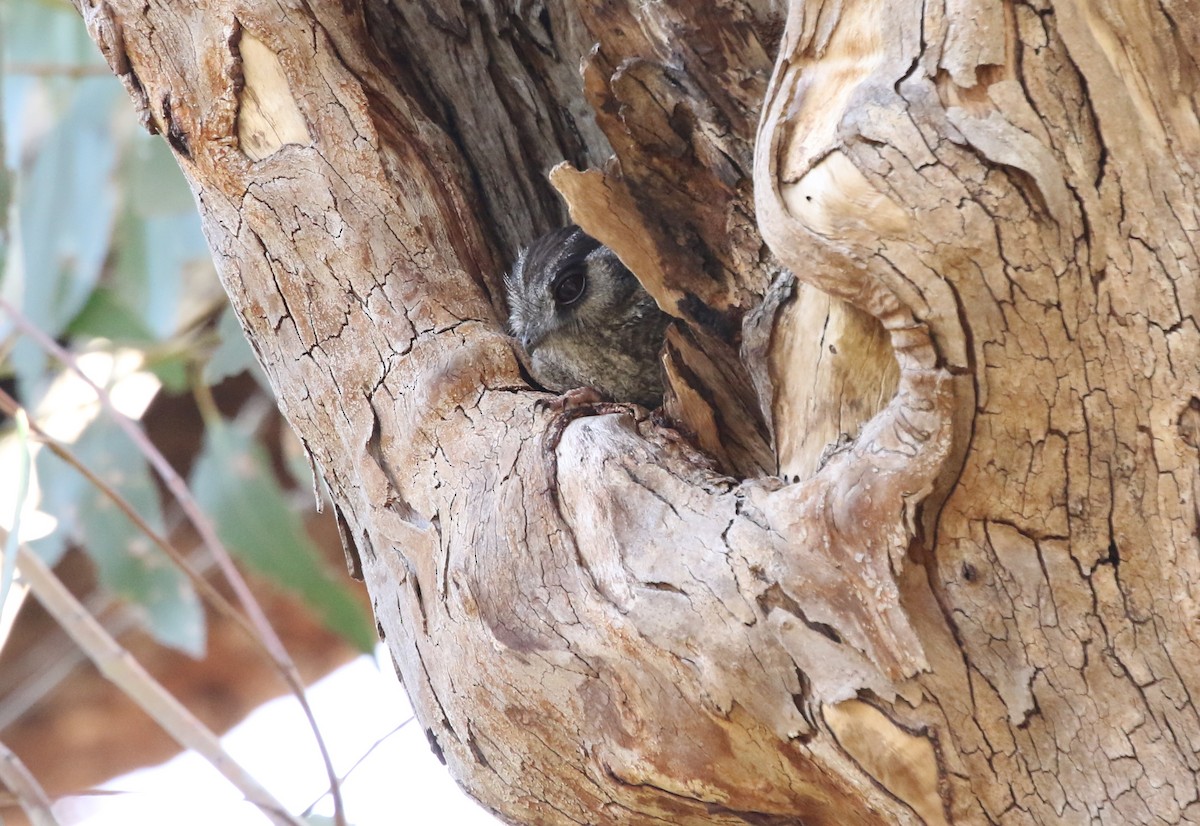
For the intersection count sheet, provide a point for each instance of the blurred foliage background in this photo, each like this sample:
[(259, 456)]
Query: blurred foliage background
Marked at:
[(102, 251)]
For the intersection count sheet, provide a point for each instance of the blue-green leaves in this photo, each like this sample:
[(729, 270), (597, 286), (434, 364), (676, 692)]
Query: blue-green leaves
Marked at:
[(127, 563), (235, 484), (102, 251)]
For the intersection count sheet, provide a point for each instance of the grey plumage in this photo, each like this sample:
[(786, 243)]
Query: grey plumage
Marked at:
[(584, 320)]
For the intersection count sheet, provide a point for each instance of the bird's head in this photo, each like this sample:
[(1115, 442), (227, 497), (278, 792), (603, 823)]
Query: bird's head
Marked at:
[(565, 282)]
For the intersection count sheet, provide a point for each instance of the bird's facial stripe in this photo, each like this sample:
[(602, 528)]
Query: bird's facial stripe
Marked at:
[(521, 314), (520, 307)]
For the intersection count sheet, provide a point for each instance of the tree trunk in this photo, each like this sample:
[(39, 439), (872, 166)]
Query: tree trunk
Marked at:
[(978, 606)]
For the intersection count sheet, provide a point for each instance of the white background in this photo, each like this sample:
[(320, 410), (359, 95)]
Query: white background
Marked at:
[(401, 781)]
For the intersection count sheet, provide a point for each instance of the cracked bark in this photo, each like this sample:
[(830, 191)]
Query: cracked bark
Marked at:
[(979, 607)]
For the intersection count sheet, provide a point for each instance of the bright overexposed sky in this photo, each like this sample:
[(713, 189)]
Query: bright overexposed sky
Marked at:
[(357, 705)]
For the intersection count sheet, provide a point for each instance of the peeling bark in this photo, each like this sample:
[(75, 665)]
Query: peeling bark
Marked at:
[(978, 605)]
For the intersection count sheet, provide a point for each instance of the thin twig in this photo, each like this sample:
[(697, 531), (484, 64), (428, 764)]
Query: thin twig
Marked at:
[(11, 407), (8, 557), (206, 589), (307, 812), (29, 792), (171, 479), (12, 598), (119, 667), (208, 536), (36, 672)]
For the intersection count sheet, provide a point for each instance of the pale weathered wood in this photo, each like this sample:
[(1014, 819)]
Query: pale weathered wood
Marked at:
[(1038, 170), (980, 608)]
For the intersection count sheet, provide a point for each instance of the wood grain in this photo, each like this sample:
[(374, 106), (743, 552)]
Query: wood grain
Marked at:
[(595, 625)]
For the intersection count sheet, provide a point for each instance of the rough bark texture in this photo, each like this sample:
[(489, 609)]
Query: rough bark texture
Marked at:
[(979, 608)]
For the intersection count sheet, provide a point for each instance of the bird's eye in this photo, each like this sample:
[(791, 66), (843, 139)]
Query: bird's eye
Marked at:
[(569, 288)]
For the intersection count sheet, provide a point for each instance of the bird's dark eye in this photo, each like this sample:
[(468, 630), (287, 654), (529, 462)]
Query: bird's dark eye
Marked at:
[(569, 288)]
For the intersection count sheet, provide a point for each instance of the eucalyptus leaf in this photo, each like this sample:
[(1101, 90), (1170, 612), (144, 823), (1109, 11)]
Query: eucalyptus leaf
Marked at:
[(154, 184), (161, 273), (233, 355), (235, 485), (161, 269), (66, 209), (5, 175), (127, 562), (47, 34), (107, 315), (172, 371)]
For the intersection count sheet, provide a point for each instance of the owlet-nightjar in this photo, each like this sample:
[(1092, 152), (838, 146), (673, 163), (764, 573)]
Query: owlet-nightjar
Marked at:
[(584, 320)]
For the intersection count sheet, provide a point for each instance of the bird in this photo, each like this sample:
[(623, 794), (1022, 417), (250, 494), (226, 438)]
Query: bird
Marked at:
[(584, 320)]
